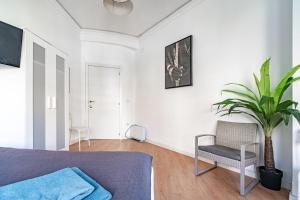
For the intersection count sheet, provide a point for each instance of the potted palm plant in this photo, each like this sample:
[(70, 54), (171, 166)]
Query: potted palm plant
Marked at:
[(269, 109)]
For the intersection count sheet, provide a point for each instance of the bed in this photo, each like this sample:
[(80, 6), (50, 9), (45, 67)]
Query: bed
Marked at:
[(127, 175)]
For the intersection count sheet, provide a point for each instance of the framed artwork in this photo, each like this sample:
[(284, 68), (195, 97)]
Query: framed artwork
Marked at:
[(178, 64)]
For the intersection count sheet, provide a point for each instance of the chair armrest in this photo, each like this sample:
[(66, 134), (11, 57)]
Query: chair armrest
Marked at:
[(243, 149), (249, 144), (204, 135), (198, 136)]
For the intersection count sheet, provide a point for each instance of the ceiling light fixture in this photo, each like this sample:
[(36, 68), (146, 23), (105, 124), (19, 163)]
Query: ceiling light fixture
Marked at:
[(118, 7)]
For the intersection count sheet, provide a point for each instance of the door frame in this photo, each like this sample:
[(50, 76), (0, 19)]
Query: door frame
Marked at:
[(86, 87)]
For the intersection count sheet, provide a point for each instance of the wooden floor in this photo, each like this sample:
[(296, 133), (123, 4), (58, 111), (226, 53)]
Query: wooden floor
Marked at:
[(174, 178)]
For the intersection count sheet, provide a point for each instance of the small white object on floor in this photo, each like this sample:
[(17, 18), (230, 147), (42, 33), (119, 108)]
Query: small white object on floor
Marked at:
[(137, 132)]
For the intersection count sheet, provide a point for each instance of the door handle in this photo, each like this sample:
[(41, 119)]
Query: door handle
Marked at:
[(90, 103)]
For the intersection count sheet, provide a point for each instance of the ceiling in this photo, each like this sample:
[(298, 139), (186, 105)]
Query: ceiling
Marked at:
[(91, 14)]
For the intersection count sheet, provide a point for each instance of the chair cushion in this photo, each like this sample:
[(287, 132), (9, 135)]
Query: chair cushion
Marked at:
[(227, 152)]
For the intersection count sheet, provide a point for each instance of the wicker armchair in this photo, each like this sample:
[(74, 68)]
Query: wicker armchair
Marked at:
[(234, 145)]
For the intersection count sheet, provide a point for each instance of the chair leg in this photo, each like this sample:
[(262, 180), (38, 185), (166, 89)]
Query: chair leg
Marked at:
[(242, 180), (89, 139), (203, 171), (70, 137), (245, 189), (256, 171), (196, 162)]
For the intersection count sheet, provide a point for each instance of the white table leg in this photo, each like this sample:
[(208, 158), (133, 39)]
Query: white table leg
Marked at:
[(70, 132), (89, 139)]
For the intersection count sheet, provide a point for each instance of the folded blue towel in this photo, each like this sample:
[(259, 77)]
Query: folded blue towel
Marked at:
[(99, 193), (65, 184)]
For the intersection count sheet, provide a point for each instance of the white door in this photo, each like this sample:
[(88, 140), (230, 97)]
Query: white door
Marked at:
[(104, 102)]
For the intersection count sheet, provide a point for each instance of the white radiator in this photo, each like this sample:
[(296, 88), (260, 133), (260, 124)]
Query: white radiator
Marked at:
[(136, 132)]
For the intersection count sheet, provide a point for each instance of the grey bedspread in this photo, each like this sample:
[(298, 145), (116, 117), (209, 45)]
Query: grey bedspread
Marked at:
[(127, 175)]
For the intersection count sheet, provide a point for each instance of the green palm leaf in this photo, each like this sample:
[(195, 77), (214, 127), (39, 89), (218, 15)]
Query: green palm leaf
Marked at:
[(242, 112), (257, 84), (241, 94), (264, 83), (282, 86), (286, 104), (245, 87), (295, 113)]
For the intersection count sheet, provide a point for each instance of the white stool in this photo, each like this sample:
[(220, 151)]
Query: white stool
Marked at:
[(80, 130)]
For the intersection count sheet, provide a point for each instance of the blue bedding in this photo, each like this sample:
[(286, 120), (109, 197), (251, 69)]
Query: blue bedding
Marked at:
[(99, 192), (126, 175), (64, 184)]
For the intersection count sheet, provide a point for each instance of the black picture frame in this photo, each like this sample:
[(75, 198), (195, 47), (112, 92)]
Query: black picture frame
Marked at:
[(178, 63)]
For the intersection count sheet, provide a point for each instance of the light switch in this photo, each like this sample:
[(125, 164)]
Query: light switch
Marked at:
[(48, 102), (53, 102)]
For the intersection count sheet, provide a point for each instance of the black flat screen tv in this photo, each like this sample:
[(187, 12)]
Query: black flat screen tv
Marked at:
[(10, 45)]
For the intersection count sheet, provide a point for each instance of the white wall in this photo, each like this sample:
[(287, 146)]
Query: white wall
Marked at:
[(111, 49), (230, 40), (49, 21), (296, 95)]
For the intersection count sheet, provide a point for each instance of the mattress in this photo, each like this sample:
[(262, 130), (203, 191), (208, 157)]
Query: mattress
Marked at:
[(127, 175)]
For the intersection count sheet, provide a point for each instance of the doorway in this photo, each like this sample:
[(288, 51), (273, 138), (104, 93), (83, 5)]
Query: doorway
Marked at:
[(103, 96)]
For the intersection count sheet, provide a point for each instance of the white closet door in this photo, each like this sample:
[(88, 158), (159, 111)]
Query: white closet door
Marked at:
[(60, 103), (50, 98), (39, 97), (43, 94)]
